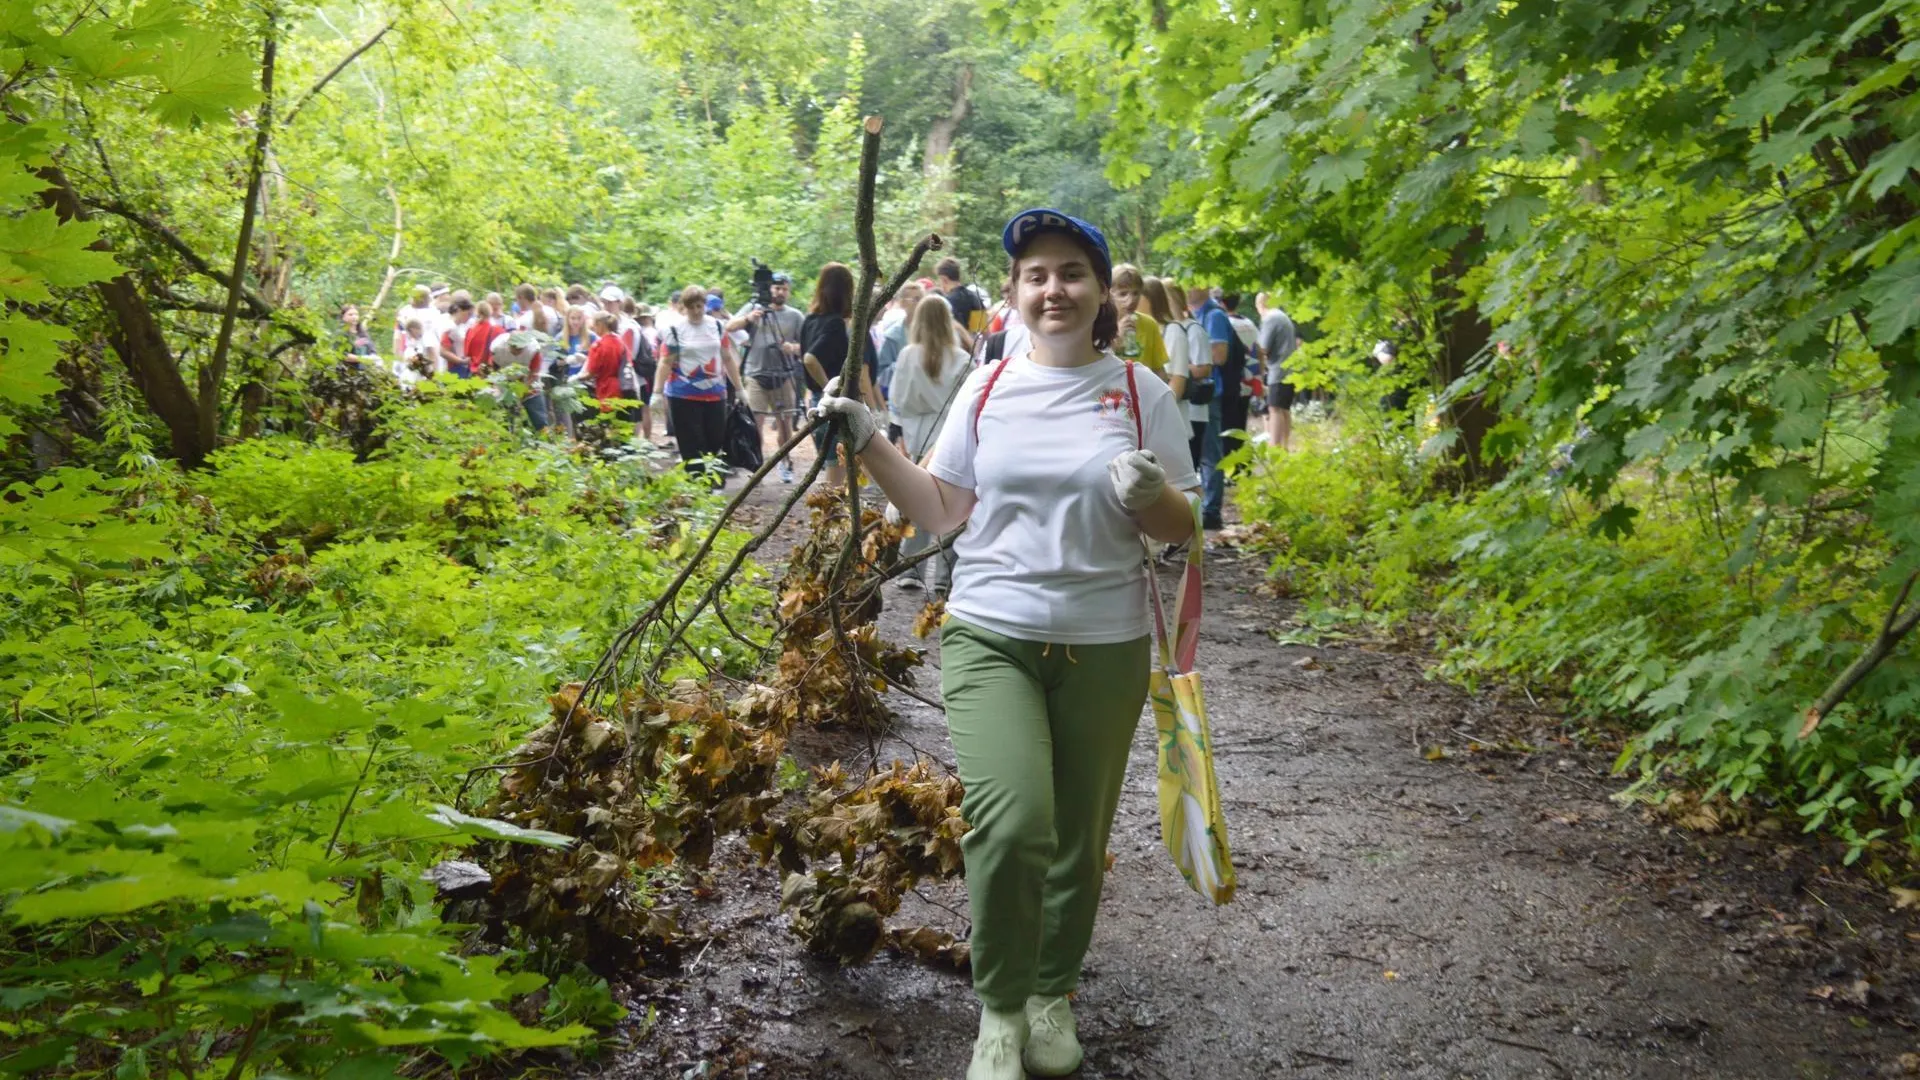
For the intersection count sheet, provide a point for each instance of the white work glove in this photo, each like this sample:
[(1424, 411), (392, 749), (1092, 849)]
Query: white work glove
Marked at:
[(1137, 478), (893, 515), (859, 418)]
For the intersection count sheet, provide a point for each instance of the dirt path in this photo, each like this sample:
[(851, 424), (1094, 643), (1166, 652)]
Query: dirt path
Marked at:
[(1487, 914)]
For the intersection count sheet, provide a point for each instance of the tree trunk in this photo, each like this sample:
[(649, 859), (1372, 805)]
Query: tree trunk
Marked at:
[(134, 335), (1464, 334), (939, 156), (215, 371)]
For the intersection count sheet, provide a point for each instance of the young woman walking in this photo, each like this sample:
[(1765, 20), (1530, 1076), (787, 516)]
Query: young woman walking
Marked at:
[(1057, 459), (924, 378), (696, 366)]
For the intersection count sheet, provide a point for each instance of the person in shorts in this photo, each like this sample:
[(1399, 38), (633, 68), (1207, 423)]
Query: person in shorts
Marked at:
[(1278, 340), (773, 355)]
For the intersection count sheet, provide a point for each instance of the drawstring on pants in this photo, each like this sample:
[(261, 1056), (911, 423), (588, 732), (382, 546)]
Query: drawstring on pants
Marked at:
[(1047, 647)]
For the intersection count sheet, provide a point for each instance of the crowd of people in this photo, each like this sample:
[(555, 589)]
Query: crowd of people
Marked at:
[(577, 353)]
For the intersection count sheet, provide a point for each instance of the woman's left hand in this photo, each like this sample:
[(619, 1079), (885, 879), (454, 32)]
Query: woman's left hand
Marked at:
[(1137, 478)]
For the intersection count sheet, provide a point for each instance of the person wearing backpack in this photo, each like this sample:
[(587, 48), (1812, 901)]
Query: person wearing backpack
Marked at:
[(1241, 352), (926, 379), (695, 367), (968, 302), (1192, 383), (645, 349), (1212, 332), (1057, 460)]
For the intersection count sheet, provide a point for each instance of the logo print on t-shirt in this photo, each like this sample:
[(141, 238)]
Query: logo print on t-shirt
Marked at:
[(1113, 408)]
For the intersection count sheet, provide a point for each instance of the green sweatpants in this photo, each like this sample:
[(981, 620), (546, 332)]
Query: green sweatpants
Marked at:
[(1042, 733)]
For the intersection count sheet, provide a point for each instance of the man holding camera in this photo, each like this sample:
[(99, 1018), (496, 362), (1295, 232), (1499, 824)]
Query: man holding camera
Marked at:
[(773, 358)]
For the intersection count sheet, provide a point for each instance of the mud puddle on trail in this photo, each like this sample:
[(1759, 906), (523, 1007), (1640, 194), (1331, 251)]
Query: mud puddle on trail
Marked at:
[(1489, 914)]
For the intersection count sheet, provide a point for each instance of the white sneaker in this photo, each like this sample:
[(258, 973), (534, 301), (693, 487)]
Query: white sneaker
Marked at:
[(911, 583), (996, 1053), (1053, 1042), (786, 472)]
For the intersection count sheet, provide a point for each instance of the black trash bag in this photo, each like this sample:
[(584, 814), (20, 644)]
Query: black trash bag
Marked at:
[(743, 438)]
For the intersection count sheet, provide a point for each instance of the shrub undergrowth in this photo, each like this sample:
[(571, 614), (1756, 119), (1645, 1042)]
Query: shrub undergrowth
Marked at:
[(1705, 628), (240, 705)]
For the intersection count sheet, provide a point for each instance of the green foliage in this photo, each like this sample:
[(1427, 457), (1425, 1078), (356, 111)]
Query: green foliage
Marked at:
[(238, 710), (1709, 641)]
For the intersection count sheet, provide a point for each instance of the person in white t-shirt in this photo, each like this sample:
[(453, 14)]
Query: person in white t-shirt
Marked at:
[(419, 354), (432, 321), (521, 349), (1189, 360), (1057, 460), (532, 314)]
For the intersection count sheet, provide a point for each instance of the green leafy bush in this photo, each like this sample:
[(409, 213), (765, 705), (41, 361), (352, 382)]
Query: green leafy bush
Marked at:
[(1709, 642), (238, 708)]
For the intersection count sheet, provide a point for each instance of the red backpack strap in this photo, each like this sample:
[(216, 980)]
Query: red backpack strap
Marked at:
[(1133, 399), (981, 405)]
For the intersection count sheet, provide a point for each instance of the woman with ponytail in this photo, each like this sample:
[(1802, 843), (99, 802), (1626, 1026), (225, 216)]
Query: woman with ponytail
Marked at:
[(1057, 460)]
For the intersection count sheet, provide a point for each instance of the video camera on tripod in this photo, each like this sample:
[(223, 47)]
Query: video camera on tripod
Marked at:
[(763, 277)]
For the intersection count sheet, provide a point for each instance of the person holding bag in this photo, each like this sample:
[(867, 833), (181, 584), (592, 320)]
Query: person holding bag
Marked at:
[(1057, 460)]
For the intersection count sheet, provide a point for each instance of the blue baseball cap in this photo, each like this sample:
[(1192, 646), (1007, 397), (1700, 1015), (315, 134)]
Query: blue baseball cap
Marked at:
[(1030, 223), (715, 303)]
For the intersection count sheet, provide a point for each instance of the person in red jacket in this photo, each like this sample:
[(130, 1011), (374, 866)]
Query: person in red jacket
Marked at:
[(478, 345), (605, 360)]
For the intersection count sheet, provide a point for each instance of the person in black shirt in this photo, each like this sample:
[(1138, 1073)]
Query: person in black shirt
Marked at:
[(968, 312), (823, 346)]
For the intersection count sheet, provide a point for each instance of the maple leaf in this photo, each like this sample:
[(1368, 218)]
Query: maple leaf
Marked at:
[(37, 251), (200, 81), (26, 370)]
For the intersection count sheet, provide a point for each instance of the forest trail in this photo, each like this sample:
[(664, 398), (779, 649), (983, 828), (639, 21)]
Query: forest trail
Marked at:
[(1486, 914)]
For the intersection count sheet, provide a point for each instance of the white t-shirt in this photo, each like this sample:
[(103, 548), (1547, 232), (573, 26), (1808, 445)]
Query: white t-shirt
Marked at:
[(453, 336), (433, 322), (1180, 362), (1019, 338), (917, 398), (1248, 333), (690, 360), (535, 359), (1199, 352), (425, 345), (1049, 554), (524, 320)]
